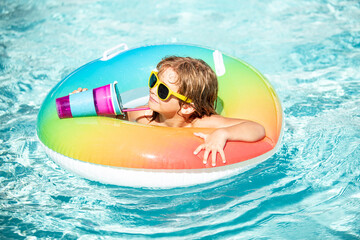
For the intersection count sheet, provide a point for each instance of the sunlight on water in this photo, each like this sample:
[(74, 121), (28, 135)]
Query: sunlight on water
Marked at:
[(309, 51)]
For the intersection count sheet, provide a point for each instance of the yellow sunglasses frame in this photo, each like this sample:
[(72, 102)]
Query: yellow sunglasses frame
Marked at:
[(158, 82)]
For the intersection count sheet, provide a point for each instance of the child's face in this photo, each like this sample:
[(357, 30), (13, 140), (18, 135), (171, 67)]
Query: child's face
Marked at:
[(171, 105)]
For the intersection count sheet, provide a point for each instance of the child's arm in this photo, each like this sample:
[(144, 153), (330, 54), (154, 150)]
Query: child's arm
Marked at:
[(227, 129), (141, 116)]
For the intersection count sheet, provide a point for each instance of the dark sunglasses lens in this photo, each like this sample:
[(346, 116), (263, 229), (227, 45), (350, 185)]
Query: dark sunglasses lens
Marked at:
[(163, 91), (152, 80)]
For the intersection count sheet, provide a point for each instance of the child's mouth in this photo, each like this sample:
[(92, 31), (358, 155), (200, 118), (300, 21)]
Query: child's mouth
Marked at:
[(152, 99)]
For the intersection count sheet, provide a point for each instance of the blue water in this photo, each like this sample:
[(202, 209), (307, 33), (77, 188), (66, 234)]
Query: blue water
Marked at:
[(310, 52)]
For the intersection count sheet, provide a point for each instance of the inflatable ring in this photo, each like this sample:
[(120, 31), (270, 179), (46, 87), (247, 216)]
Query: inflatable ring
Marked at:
[(119, 152)]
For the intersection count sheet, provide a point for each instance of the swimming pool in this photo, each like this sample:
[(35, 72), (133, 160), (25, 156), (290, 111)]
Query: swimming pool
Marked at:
[(309, 51)]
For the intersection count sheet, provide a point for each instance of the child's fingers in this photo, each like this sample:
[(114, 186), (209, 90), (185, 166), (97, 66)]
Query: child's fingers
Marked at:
[(201, 135), (206, 153), (198, 149), (78, 90), (222, 154), (214, 153), (206, 156)]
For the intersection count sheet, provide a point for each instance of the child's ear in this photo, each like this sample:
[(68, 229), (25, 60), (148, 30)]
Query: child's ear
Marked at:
[(187, 109)]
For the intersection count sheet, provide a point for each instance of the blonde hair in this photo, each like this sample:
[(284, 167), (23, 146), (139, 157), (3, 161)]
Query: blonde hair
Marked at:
[(196, 80)]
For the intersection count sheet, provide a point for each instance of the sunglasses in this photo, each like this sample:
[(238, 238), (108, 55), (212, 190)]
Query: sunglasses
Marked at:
[(163, 91)]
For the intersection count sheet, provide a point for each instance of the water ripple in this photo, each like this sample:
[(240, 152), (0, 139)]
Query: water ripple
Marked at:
[(309, 51)]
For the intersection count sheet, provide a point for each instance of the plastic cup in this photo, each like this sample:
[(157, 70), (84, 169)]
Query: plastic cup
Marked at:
[(101, 101)]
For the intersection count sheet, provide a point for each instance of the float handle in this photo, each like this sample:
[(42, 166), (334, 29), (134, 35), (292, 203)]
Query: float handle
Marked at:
[(219, 63), (112, 52)]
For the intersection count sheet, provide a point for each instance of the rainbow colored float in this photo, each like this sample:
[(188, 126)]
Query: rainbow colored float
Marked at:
[(119, 152)]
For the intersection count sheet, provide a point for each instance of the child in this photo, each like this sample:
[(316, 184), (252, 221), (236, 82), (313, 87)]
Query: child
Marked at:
[(183, 94)]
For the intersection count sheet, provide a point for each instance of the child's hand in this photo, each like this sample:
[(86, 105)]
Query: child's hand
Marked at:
[(79, 90), (214, 143)]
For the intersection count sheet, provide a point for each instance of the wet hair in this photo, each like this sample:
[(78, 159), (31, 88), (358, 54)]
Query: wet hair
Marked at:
[(196, 81)]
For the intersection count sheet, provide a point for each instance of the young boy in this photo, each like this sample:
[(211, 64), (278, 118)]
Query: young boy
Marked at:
[(183, 94)]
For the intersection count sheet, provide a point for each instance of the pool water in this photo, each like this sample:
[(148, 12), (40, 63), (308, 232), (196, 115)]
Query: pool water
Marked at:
[(309, 51)]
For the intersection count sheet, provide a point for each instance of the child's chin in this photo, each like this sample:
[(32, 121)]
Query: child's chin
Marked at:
[(152, 106)]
